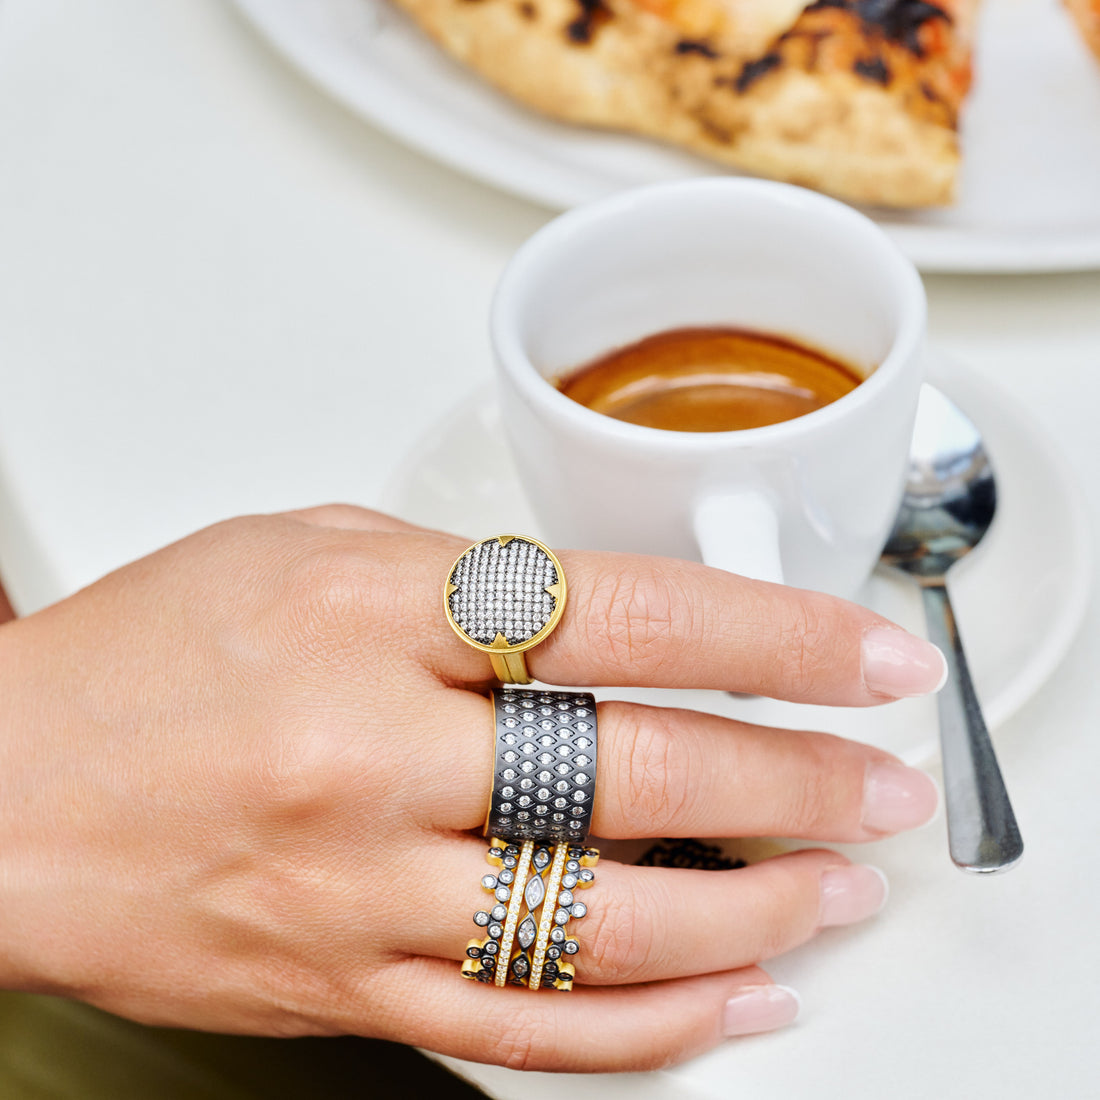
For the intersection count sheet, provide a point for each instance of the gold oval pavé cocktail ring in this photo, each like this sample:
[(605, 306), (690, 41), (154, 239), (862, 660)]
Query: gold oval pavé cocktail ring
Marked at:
[(503, 596)]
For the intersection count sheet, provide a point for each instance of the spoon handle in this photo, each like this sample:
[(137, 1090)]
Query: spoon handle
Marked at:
[(981, 827)]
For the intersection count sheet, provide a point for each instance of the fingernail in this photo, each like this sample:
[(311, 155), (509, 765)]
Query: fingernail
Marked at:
[(852, 893), (759, 1008), (897, 663), (896, 797)]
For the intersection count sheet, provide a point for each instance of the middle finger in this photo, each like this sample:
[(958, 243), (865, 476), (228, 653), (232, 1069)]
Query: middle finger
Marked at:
[(667, 772)]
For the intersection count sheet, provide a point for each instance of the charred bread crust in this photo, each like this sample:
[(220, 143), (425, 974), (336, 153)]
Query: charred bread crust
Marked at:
[(860, 98)]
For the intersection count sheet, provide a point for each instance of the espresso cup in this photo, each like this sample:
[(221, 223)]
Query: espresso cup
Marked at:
[(808, 501)]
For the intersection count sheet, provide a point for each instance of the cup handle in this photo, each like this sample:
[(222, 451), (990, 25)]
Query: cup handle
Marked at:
[(739, 532)]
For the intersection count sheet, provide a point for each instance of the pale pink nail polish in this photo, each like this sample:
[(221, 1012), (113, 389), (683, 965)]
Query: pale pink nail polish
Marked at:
[(759, 1008), (852, 893), (897, 663), (896, 797)]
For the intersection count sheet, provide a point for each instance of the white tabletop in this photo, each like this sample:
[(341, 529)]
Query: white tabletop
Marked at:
[(221, 293)]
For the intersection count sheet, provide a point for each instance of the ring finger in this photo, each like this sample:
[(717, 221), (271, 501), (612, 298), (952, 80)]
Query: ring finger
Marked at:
[(652, 923)]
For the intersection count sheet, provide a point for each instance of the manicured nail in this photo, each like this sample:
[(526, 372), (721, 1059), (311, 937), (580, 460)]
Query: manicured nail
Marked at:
[(897, 663), (759, 1008), (896, 797), (852, 893)]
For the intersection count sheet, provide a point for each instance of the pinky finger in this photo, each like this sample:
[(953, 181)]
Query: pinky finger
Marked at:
[(590, 1030)]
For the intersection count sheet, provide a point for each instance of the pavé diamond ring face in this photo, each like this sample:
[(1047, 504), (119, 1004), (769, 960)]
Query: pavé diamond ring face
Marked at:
[(503, 596)]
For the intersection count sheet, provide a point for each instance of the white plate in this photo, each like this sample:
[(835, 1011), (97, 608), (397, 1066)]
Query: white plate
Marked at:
[(1019, 598), (1030, 197)]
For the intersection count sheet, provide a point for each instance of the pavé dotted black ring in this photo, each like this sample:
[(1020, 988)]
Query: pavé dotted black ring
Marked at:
[(544, 772)]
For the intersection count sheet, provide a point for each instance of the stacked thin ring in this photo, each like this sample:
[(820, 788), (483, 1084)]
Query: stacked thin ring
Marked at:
[(526, 931), (503, 596)]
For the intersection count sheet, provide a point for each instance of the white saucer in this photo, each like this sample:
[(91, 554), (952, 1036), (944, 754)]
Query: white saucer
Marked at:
[(1019, 599)]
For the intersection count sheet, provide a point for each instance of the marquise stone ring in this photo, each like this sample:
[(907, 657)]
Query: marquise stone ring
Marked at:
[(526, 940)]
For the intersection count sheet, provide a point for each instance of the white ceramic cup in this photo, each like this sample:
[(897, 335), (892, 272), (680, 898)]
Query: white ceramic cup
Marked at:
[(809, 501)]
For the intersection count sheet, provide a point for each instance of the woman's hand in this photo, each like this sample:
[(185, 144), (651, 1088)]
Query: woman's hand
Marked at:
[(242, 782)]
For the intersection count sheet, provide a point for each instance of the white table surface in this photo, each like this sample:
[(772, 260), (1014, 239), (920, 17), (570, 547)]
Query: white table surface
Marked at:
[(221, 293)]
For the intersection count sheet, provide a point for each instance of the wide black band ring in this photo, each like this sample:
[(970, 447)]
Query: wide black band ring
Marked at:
[(544, 774)]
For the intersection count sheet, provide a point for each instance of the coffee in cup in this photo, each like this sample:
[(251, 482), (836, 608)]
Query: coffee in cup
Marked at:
[(711, 379)]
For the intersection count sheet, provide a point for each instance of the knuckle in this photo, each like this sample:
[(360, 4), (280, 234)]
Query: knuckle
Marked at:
[(296, 774), (775, 930), (636, 617), (619, 939), (805, 645), (524, 1043), (336, 514), (651, 782), (812, 794), (787, 912), (324, 580), (326, 593)]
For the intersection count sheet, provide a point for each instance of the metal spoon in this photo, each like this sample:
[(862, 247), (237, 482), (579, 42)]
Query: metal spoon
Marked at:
[(948, 505)]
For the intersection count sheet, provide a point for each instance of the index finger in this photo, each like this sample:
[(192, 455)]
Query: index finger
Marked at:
[(632, 620)]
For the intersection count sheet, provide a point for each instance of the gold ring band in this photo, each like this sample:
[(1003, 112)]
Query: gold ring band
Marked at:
[(546, 918), (510, 668), (515, 905)]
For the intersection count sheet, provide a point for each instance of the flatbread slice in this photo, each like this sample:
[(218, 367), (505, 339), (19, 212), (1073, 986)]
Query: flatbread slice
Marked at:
[(860, 98)]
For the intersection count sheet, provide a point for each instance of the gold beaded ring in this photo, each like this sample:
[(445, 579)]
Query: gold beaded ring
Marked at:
[(515, 906), (571, 870), (531, 951), (505, 595)]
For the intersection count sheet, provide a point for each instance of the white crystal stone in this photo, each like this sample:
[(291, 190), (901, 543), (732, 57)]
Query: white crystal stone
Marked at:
[(527, 931), (534, 892)]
